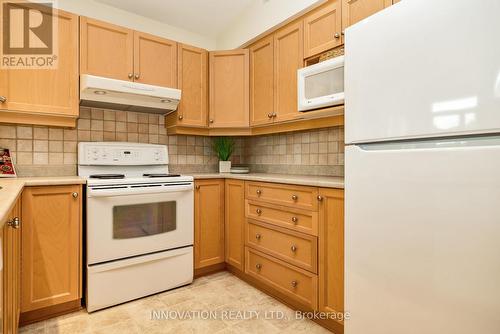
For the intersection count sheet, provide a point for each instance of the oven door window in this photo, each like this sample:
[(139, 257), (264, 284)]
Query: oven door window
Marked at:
[(142, 220)]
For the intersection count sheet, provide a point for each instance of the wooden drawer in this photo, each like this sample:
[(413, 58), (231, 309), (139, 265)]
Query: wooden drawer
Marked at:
[(288, 195), (304, 221), (296, 248), (297, 284)]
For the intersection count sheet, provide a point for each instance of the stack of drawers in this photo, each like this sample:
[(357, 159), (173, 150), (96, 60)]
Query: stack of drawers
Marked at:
[(281, 239)]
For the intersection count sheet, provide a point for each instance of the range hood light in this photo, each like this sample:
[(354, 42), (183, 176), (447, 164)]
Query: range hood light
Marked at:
[(100, 92)]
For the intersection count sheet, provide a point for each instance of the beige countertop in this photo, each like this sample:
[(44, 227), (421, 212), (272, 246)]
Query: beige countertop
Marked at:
[(305, 180), (11, 188)]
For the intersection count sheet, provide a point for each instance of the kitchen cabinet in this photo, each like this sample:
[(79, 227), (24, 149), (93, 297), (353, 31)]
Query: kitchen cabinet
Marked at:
[(11, 243), (155, 60), (288, 58), (192, 78), (354, 11), (331, 250), (323, 29), (51, 250), (208, 223), (235, 223), (106, 49), (45, 96), (229, 89), (262, 82), (116, 52)]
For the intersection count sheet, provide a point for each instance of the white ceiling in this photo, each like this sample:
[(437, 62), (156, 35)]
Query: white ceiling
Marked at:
[(205, 17)]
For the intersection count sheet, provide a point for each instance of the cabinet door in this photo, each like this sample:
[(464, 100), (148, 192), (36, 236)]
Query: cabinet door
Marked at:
[(11, 238), (106, 50), (229, 89), (155, 60), (51, 92), (208, 223), (193, 82), (262, 82), (235, 223), (354, 11), (288, 58), (51, 246), (322, 29), (331, 250)]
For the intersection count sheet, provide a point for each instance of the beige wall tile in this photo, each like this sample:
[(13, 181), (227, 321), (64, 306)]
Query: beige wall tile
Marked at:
[(109, 136), (55, 158), (69, 158), (132, 127), (55, 134), (24, 132), (40, 158), (70, 134), (121, 136), (132, 117), (24, 145), (8, 143), (24, 158), (142, 128), (70, 147), (96, 125), (83, 135), (121, 116), (83, 124), (109, 126), (40, 133), (142, 118), (109, 115), (97, 114), (55, 146), (85, 113), (96, 136), (7, 131), (40, 145), (121, 127), (153, 119)]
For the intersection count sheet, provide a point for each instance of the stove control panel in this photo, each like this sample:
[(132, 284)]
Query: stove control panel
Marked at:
[(122, 154)]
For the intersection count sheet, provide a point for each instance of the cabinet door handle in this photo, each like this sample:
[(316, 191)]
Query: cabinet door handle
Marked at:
[(197, 187), (337, 35), (320, 198), (269, 115), (130, 75), (295, 197), (294, 284), (75, 195), (258, 266), (137, 76), (181, 117), (274, 115), (14, 223), (293, 248), (259, 211), (3, 99), (295, 220), (259, 192), (257, 236)]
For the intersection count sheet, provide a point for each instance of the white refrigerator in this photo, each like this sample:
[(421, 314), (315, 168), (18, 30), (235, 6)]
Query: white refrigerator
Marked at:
[(422, 179)]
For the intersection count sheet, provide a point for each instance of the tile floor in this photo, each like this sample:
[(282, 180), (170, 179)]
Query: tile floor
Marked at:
[(227, 297)]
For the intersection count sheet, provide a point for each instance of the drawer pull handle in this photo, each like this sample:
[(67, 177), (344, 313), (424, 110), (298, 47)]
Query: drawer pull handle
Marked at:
[(293, 248), (14, 223), (295, 220), (295, 197), (75, 195), (259, 192), (257, 236), (294, 284), (258, 266), (259, 211)]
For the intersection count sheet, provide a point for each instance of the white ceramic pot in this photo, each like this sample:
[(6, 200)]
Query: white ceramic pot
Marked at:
[(224, 166)]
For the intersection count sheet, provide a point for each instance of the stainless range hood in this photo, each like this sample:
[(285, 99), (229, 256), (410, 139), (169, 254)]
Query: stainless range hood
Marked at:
[(126, 95)]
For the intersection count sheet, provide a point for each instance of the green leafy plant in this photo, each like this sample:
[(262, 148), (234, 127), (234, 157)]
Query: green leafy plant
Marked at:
[(223, 147)]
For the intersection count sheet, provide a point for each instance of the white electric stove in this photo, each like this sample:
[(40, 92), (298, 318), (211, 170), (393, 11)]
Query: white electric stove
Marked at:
[(139, 222)]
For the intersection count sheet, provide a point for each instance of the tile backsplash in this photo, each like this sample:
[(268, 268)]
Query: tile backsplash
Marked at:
[(50, 151)]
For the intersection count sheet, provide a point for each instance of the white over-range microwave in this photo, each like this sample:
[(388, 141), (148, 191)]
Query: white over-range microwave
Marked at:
[(321, 85)]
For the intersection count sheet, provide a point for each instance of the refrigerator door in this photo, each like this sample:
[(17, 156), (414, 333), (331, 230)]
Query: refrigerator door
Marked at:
[(423, 68), (422, 238)]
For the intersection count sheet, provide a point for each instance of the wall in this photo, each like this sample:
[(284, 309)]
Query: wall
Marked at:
[(47, 151), (260, 17), (130, 20), (313, 152)]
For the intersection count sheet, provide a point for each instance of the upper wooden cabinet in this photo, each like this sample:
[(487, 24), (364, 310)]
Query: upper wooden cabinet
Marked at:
[(155, 60), (51, 247), (288, 58), (45, 96), (116, 52), (262, 82), (192, 78), (235, 223), (323, 29), (229, 89), (355, 10), (106, 50), (208, 223)]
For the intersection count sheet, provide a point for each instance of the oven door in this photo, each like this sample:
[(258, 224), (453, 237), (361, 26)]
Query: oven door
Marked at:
[(126, 221)]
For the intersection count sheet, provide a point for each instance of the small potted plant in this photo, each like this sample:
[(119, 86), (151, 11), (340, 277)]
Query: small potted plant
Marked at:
[(223, 147)]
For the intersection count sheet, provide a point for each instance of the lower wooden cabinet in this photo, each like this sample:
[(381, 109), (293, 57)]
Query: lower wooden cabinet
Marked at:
[(51, 249), (11, 298), (331, 250), (208, 223), (235, 223)]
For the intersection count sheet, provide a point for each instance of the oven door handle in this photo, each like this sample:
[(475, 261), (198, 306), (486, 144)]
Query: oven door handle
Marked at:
[(108, 192)]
